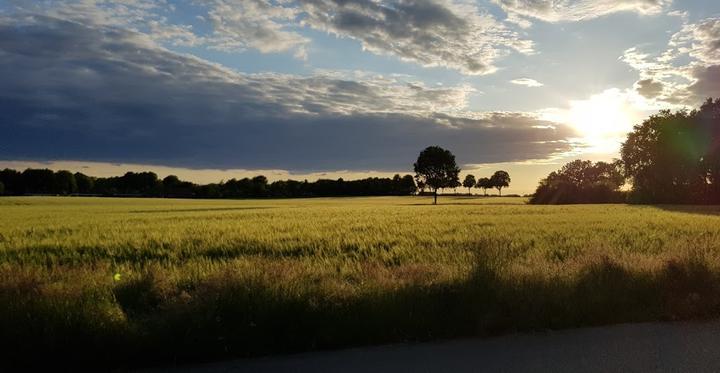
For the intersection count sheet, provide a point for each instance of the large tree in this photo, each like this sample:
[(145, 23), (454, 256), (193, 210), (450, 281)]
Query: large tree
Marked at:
[(469, 182), (499, 180), (436, 167), (674, 157)]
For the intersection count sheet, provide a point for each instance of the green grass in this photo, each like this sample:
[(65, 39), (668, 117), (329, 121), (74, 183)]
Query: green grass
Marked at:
[(117, 282)]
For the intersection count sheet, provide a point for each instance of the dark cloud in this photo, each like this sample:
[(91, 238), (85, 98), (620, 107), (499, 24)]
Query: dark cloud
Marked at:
[(79, 92), (707, 83), (649, 88)]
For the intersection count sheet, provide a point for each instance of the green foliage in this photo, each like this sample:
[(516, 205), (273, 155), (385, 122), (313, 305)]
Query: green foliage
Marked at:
[(105, 282)]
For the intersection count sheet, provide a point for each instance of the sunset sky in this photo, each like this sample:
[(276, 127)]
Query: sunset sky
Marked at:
[(215, 89)]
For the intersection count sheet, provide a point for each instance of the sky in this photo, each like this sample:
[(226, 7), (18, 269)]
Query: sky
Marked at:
[(214, 89)]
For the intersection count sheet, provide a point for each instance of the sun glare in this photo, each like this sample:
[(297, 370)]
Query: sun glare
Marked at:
[(603, 120)]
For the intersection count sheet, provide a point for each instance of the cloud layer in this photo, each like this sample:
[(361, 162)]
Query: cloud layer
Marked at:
[(456, 35), (96, 92)]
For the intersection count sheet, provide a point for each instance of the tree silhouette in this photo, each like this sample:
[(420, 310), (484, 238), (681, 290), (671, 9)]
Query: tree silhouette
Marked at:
[(484, 184), (85, 183), (499, 180), (436, 167), (469, 182), (581, 182), (64, 183)]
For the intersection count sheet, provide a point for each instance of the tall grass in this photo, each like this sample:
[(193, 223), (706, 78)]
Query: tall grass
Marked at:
[(123, 282)]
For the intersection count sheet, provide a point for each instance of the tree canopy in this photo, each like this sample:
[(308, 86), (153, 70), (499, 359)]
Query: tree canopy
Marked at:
[(484, 184), (674, 157), (147, 184), (437, 169), (499, 180), (581, 182), (469, 182)]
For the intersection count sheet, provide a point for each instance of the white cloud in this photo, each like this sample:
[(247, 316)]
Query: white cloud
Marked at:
[(147, 16), (527, 82), (577, 10), (688, 71), (256, 24)]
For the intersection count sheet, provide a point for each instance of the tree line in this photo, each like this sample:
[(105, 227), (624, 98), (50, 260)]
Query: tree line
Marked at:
[(436, 169), (671, 157), (498, 180), (147, 184)]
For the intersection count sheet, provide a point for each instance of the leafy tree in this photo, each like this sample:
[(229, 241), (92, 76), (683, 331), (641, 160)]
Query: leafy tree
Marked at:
[(259, 186), (469, 182), (13, 181), (581, 182), (499, 180), (64, 183), (436, 167), (484, 183), (674, 157), (85, 184), (38, 181), (407, 185)]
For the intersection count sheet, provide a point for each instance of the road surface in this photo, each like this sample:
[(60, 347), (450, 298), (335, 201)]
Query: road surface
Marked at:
[(649, 347)]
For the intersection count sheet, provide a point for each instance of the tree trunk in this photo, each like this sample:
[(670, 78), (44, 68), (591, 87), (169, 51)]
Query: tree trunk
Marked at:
[(500, 191), (469, 192), (435, 196)]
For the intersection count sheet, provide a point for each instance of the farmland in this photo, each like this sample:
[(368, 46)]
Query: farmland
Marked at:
[(103, 281)]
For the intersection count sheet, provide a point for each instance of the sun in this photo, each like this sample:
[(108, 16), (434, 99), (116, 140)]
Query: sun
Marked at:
[(603, 120), (600, 116)]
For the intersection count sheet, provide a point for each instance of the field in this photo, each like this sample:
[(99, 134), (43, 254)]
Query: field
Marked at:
[(117, 282)]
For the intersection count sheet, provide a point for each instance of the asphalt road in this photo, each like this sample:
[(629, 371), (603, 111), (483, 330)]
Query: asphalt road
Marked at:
[(651, 347)]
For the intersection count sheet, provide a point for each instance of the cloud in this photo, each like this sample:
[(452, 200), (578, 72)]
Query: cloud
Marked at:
[(707, 82), (428, 32), (147, 16), (454, 34), (577, 10), (685, 73), (649, 88), (431, 33), (256, 24), (77, 91), (527, 82), (700, 41)]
